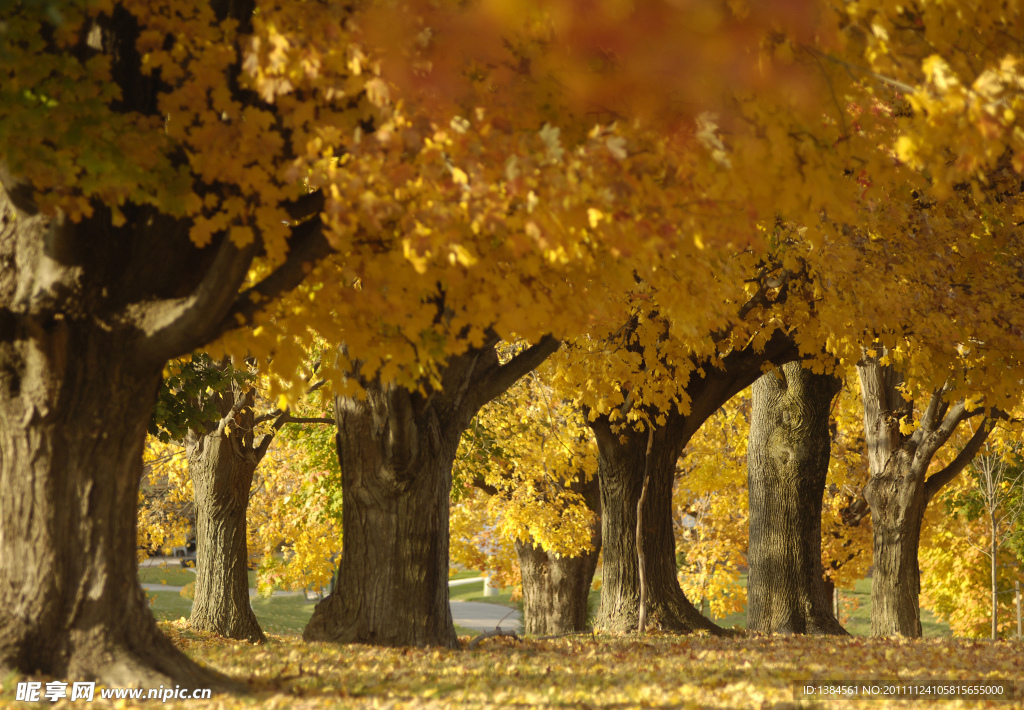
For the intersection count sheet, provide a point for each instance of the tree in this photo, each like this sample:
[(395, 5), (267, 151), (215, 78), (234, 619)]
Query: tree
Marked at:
[(396, 447), (531, 452), (975, 521), (129, 227), (622, 459), (788, 461), (211, 407), (899, 490)]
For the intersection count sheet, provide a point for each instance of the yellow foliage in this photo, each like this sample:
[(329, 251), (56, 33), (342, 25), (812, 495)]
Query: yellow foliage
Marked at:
[(165, 516), (531, 447)]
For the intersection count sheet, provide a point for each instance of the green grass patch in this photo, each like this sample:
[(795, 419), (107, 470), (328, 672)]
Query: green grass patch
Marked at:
[(169, 606), (858, 622), (283, 615), (277, 615), (175, 576)]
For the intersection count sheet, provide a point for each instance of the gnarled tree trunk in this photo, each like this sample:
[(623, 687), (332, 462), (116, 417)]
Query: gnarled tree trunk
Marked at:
[(221, 463), (74, 408), (787, 464), (396, 478), (90, 311), (898, 491), (621, 468), (396, 449), (556, 589)]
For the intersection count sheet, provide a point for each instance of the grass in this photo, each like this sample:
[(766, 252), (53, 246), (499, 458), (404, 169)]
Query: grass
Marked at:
[(175, 576), (277, 615), (859, 621), (284, 615)]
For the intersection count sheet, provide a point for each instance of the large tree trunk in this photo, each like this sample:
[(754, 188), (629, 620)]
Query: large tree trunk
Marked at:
[(396, 449), (897, 510), (898, 491), (622, 457), (393, 580), (787, 464), (221, 463), (90, 311), (74, 408), (621, 468), (556, 589)]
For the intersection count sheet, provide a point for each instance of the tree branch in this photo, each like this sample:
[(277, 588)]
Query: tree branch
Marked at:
[(934, 411), (306, 247), (304, 207), (178, 326), (241, 403), (936, 481), (306, 420), (480, 483), (498, 381)]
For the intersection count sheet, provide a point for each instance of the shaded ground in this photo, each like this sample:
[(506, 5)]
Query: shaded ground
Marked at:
[(593, 671)]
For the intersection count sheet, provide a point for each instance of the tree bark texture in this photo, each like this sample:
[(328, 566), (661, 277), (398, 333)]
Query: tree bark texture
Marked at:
[(396, 449), (221, 461), (556, 589), (621, 468), (787, 464), (898, 491), (88, 317), (90, 312), (73, 417)]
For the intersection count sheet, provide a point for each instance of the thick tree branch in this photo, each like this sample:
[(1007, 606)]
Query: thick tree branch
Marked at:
[(307, 206), (498, 381), (936, 481), (934, 412), (178, 326)]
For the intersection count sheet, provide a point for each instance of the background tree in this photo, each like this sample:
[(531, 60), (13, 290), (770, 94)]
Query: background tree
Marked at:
[(396, 449), (531, 452), (212, 407), (967, 551), (899, 455)]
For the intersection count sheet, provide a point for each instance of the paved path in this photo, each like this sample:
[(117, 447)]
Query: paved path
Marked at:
[(484, 617)]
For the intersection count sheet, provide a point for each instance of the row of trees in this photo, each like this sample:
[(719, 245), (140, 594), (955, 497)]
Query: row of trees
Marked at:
[(531, 454), (417, 185)]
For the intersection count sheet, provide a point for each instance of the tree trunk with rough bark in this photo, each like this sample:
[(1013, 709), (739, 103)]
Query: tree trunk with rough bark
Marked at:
[(898, 490), (787, 464), (396, 449), (73, 417), (221, 463), (621, 468), (556, 589), (90, 312), (622, 457)]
